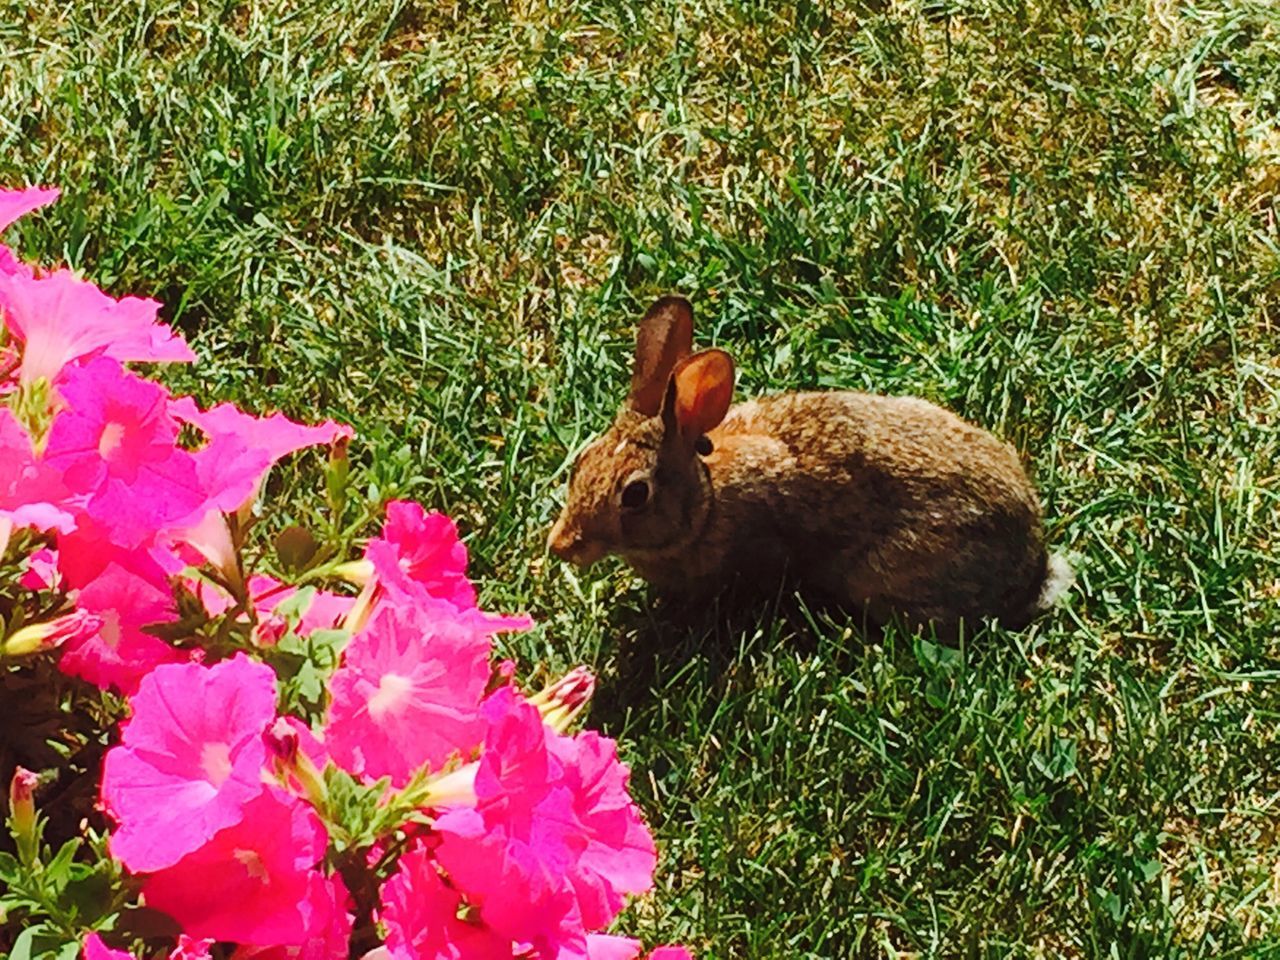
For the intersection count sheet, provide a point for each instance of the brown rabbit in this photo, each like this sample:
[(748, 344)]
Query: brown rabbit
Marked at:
[(889, 504)]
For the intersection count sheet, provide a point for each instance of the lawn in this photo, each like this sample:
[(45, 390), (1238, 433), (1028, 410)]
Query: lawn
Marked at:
[(439, 221)]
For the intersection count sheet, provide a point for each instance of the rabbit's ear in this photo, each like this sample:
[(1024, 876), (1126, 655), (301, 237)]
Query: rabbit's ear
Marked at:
[(699, 394), (665, 337)]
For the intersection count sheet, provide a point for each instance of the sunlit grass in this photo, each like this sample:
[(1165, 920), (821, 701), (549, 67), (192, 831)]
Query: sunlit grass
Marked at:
[(438, 222)]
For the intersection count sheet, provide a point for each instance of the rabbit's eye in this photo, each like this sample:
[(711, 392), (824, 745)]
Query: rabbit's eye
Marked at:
[(703, 446), (635, 494)]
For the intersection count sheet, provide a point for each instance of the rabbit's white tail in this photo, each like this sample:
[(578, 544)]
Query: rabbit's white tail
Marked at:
[(1058, 579)]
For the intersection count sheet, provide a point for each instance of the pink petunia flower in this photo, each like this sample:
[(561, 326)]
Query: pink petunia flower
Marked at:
[(191, 758), (85, 552), (619, 856), (95, 949), (15, 204), (20, 202), (42, 570), (120, 654), (252, 882), (328, 922), (60, 318), (208, 539), (115, 447), (420, 551), (186, 948), (419, 560), (420, 913), (31, 495), (408, 693), (10, 264), (189, 948), (606, 947), (602, 946), (554, 841), (242, 447)]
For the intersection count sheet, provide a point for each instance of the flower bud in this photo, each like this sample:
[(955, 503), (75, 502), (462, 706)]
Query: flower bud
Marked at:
[(51, 634), (293, 766), (336, 473), (22, 814), (362, 609), (561, 702), (282, 741), (454, 789), (358, 572)]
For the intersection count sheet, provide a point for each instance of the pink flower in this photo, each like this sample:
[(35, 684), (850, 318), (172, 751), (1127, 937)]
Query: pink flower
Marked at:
[(253, 881), (190, 759), (14, 204), (189, 948), (88, 550), (115, 447), (243, 447), (60, 318), (68, 629), (554, 841), (120, 654), (31, 495), (408, 693), (420, 551), (419, 559), (602, 946), (20, 202), (328, 923), (420, 914), (186, 949), (42, 570), (619, 857), (95, 949), (210, 539)]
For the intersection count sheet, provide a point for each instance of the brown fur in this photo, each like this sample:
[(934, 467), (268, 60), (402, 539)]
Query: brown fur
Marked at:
[(890, 504)]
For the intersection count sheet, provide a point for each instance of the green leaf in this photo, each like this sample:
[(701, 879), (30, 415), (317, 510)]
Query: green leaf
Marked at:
[(22, 945), (10, 869), (1150, 869), (58, 870), (295, 606)]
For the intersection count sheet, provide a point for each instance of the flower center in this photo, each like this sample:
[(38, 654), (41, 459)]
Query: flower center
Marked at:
[(215, 761), (109, 441), (391, 697), (110, 631), (251, 860)]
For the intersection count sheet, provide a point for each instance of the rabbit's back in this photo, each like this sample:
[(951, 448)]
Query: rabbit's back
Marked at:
[(891, 503)]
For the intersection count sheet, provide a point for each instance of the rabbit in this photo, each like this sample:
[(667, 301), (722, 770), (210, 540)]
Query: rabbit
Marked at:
[(887, 505)]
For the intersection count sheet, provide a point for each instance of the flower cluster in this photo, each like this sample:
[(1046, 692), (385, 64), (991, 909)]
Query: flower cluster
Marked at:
[(425, 809)]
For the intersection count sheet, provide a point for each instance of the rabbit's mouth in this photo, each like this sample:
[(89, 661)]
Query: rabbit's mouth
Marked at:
[(568, 543)]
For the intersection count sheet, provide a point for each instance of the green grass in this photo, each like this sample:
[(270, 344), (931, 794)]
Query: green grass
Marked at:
[(439, 221)]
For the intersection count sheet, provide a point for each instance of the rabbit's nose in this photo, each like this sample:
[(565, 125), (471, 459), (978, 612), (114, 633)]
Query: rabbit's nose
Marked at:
[(562, 541), (568, 543)]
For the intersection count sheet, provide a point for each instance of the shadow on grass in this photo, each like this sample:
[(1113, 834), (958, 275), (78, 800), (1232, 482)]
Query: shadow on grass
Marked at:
[(717, 638)]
